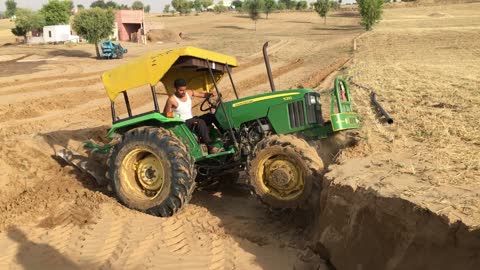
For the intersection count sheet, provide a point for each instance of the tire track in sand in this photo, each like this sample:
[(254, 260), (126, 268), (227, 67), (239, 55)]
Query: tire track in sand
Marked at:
[(52, 86), (80, 237), (72, 76)]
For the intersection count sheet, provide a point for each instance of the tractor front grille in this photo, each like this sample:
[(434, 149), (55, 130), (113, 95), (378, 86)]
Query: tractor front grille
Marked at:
[(314, 110), (296, 113)]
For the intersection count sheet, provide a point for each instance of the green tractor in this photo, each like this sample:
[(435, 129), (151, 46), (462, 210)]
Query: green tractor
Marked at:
[(157, 162)]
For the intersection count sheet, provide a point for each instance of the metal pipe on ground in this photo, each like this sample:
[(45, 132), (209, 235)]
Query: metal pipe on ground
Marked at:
[(373, 97), (379, 107)]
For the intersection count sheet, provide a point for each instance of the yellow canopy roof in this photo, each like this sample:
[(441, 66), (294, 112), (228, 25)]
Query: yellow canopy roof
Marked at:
[(159, 66)]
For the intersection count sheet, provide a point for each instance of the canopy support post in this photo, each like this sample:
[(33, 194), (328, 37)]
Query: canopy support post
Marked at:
[(222, 105), (155, 101), (231, 80)]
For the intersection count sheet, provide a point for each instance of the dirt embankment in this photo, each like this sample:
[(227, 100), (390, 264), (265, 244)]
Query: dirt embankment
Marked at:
[(407, 195), (375, 230)]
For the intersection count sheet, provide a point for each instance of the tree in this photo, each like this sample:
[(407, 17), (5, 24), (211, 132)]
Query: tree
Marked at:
[(70, 5), (147, 9), (371, 12), (181, 6), (334, 5), (166, 9), (237, 4), (206, 3), (293, 4), (26, 21), (11, 8), (219, 7), (281, 6), (111, 4), (123, 7), (322, 7), (269, 6), (80, 6), (137, 5), (197, 5), (302, 5), (94, 25), (289, 4), (253, 7), (56, 12), (98, 3)]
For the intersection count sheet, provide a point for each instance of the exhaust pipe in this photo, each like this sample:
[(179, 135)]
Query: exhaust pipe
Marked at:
[(267, 64)]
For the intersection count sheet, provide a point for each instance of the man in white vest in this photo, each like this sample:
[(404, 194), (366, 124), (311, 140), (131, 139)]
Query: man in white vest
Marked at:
[(180, 104)]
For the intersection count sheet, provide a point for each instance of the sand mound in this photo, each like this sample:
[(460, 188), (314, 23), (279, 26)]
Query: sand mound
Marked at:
[(163, 35)]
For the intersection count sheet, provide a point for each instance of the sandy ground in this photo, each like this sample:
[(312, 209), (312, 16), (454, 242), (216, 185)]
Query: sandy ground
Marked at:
[(52, 96), (423, 62)]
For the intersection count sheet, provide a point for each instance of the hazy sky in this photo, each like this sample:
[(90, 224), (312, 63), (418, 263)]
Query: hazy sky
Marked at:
[(156, 5)]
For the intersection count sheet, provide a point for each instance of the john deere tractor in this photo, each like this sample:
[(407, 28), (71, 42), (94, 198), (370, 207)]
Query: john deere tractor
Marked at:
[(157, 162)]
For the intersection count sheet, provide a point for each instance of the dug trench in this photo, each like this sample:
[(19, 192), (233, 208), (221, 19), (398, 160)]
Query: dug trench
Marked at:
[(360, 227)]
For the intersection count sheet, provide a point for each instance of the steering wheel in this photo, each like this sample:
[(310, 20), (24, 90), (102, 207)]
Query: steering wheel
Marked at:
[(212, 104)]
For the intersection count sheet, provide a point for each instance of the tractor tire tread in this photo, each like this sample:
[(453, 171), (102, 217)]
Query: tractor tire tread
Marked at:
[(294, 144), (181, 168)]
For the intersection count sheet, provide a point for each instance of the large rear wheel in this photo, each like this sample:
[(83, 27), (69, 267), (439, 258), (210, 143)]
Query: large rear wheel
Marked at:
[(152, 171), (283, 169)]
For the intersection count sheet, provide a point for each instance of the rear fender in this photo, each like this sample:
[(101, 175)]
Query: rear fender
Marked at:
[(175, 125), (151, 119)]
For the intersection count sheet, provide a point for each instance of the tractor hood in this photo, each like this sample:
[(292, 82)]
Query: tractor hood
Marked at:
[(258, 106), (189, 63)]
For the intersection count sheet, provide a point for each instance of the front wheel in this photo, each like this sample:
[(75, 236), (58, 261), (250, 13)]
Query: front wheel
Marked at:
[(282, 171), (152, 171)]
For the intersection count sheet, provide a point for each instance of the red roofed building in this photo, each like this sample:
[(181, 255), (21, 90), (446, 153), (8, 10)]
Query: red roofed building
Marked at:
[(129, 24)]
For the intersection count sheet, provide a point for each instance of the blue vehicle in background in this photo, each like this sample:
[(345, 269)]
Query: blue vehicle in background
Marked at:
[(111, 50)]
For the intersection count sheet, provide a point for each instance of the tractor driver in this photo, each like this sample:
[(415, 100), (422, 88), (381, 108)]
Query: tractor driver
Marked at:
[(180, 104)]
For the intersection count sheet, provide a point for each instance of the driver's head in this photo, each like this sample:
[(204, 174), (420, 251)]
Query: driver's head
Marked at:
[(180, 87)]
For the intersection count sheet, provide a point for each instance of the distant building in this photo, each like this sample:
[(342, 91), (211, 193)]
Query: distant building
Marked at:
[(53, 34), (130, 23), (58, 33)]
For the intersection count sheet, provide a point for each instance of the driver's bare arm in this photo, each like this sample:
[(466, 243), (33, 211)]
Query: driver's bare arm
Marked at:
[(201, 94), (168, 106)]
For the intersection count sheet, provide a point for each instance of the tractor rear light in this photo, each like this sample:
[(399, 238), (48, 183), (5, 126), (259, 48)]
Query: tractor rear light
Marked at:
[(169, 114)]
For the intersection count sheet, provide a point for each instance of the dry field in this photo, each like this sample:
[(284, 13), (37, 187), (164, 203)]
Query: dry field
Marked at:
[(423, 62), (424, 65)]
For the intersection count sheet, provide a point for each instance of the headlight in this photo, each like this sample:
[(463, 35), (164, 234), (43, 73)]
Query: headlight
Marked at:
[(313, 100)]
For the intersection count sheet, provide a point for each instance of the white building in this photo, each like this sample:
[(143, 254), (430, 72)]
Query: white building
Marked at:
[(58, 33)]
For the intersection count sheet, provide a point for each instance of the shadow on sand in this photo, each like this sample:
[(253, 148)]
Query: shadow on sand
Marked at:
[(347, 14), (70, 53), (13, 67), (231, 27), (31, 255), (355, 28), (302, 22)]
